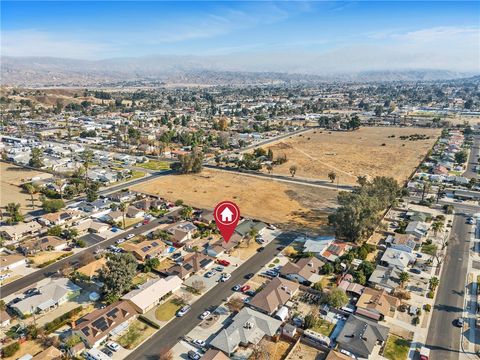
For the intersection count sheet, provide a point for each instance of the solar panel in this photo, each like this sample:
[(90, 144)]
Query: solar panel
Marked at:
[(112, 313), (85, 331), (188, 266)]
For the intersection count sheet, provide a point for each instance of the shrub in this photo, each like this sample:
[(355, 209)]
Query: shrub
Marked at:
[(61, 320), (430, 294), (416, 320), (11, 349), (427, 307)]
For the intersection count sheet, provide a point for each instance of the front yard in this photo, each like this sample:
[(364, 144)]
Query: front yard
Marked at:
[(155, 165), (137, 332), (396, 348), (166, 311)]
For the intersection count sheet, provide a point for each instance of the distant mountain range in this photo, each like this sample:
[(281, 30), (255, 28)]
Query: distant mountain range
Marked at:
[(185, 70)]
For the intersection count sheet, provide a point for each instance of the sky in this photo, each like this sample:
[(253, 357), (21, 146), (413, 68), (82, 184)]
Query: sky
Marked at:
[(261, 35)]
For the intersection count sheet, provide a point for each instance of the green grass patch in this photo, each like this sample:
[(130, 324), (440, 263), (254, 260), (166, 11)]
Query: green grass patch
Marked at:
[(137, 332), (155, 165), (429, 249), (166, 311), (323, 327), (396, 348)]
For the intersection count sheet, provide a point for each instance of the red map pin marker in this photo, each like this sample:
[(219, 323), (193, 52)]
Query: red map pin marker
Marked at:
[(226, 216)]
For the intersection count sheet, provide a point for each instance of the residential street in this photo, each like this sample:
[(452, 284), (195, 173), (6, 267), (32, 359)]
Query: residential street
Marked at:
[(41, 274), (443, 337), (472, 159), (179, 327)]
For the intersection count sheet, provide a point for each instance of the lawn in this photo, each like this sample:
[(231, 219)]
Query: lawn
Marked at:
[(131, 221), (166, 311), (323, 327), (46, 256), (396, 348), (137, 332), (155, 165), (429, 249)]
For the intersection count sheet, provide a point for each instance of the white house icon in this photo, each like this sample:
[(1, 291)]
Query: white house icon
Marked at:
[(226, 214)]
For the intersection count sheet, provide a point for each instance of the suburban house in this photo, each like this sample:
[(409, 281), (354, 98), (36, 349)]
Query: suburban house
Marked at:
[(361, 336), (397, 258), (191, 264), (213, 354), (350, 287), (248, 327), (115, 216), (46, 243), (274, 295), (92, 269), (4, 319), (387, 278), (403, 242), (417, 229), (50, 353), (182, 231), (50, 296), (146, 249), (11, 261), (317, 245), (206, 217), (97, 326), (19, 231), (246, 226), (220, 247), (60, 217), (334, 251), (121, 196), (335, 355), (376, 304), (133, 212), (306, 270), (149, 294), (149, 204)]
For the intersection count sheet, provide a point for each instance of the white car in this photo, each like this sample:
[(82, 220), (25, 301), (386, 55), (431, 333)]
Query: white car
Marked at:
[(112, 345), (210, 274), (129, 236), (225, 277), (205, 315), (120, 241), (183, 310), (200, 343)]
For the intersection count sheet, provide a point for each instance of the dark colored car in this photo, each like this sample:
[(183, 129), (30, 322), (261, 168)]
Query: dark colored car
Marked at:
[(249, 276), (260, 249)]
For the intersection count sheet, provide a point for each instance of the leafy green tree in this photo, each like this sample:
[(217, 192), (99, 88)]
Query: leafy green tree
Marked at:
[(55, 230), (337, 298), (36, 158), (13, 211), (434, 282), (327, 269), (117, 275), (53, 205), (461, 157), (310, 321), (150, 264), (404, 277), (186, 212)]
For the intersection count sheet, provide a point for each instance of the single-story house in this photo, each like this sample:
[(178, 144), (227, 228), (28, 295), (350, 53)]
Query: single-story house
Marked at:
[(146, 249), (181, 231), (50, 353), (387, 278), (335, 250), (191, 264), (97, 326), (115, 216), (221, 246), (46, 243), (50, 296), (403, 242), (213, 354), (133, 212), (244, 228), (4, 319), (11, 261), (92, 269), (397, 258), (417, 229), (122, 196), (318, 244), (60, 217), (149, 294), (248, 327), (360, 336), (306, 270), (376, 304), (18, 231), (274, 295)]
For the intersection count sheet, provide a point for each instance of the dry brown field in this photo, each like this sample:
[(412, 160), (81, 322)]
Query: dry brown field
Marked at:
[(368, 151), (11, 178), (271, 201)]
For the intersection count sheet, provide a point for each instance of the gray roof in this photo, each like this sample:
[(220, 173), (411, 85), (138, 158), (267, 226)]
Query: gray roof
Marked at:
[(359, 335), (244, 227), (249, 326), (385, 277)]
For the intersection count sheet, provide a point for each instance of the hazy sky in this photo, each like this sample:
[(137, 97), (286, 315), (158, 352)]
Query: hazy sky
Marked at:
[(334, 36)]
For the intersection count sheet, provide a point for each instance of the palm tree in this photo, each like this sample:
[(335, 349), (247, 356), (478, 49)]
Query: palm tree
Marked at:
[(434, 282), (87, 158), (59, 182), (12, 209), (332, 176), (436, 227), (30, 189), (425, 189), (404, 277), (123, 208)]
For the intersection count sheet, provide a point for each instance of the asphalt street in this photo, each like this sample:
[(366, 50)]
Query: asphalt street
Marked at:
[(443, 337), (169, 335), (73, 260), (472, 159)]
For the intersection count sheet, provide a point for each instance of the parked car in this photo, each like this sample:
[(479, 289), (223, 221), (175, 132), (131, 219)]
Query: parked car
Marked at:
[(260, 249), (114, 229), (415, 271), (32, 291), (237, 287), (120, 241), (471, 221), (138, 225), (145, 222), (112, 345), (200, 343), (225, 277), (183, 310), (107, 352), (129, 236), (247, 300), (249, 276), (176, 255), (67, 249), (250, 293), (205, 315), (245, 288), (210, 273), (223, 262), (219, 268), (459, 322), (193, 355)]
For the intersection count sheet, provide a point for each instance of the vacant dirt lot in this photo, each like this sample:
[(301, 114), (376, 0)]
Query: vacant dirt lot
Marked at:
[(10, 191), (271, 201), (367, 151)]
